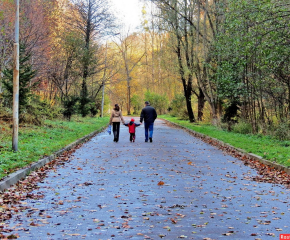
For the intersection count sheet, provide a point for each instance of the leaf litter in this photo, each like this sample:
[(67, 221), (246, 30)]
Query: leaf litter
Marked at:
[(169, 214)]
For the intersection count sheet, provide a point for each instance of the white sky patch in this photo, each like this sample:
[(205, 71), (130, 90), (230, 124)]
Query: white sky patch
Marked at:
[(128, 12)]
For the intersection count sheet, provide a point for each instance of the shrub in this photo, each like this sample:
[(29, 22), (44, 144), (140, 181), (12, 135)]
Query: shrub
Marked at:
[(159, 102), (137, 103), (178, 107), (70, 106), (6, 114), (37, 111), (242, 127), (223, 126), (282, 131), (93, 109)]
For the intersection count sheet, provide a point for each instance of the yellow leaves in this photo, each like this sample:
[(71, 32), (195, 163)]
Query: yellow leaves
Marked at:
[(144, 11)]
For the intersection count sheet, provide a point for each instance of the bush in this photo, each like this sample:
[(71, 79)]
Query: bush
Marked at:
[(242, 127), (6, 114), (137, 103), (282, 131), (70, 106), (223, 126), (37, 111), (159, 102), (93, 109), (178, 107)]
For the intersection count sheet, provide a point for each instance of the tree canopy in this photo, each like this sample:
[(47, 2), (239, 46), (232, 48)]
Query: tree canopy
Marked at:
[(224, 61)]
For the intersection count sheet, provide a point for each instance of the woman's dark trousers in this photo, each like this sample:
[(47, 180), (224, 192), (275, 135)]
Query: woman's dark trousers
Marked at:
[(116, 131)]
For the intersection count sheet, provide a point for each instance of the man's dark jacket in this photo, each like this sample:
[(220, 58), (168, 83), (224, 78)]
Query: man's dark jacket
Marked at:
[(149, 114)]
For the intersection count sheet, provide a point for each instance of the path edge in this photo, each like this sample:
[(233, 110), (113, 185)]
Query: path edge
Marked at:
[(223, 145), (20, 174)]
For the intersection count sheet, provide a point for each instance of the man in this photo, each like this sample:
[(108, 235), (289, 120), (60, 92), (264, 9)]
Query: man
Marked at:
[(148, 114)]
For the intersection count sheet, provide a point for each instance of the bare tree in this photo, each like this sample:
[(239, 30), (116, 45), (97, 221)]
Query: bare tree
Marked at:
[(182, 42), (195, 25), (128, 48), (92, 19)]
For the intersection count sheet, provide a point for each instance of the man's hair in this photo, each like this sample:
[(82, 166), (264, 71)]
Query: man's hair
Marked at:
[(147, 103)]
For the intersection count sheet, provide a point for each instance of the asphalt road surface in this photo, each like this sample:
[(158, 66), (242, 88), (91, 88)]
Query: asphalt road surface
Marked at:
[(177, 187)]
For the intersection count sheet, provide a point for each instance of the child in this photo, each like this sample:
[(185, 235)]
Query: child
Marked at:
[(132, 127)]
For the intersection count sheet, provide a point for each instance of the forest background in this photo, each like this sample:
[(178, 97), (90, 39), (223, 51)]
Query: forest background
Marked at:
[(223, 62)]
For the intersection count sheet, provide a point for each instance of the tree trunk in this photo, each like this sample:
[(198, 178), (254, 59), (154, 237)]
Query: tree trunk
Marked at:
[(129, 96), (189, 108), (187, 85), (201, 102)]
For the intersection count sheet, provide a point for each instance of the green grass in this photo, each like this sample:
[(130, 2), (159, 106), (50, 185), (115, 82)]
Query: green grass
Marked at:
[(264, 146), (38, 142)]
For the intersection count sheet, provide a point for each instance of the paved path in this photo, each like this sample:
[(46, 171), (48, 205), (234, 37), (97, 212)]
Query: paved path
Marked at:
[(110, 191)]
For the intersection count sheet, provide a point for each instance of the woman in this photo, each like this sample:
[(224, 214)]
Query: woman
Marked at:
[(115, 119)]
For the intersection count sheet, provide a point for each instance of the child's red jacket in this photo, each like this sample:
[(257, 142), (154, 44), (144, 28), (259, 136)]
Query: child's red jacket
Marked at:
[(132, 126)]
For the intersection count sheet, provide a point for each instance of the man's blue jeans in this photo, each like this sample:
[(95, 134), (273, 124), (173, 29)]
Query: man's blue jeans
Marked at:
[(148, 128)]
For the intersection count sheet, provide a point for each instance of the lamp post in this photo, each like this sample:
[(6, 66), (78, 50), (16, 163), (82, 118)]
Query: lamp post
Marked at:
[(103, 99), (16, 82), (104, 78)]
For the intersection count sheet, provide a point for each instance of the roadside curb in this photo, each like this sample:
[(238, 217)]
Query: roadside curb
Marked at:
[(15, 177), (222, 145)]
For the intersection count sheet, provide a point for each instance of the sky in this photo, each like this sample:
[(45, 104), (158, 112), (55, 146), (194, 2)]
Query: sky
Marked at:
[(128, 12)]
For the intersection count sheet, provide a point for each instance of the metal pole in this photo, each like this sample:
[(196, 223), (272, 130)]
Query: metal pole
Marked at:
[(104, 80), (103, 99), (16, 82)]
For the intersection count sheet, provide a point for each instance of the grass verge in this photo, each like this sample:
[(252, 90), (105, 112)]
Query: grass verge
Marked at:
[(264, 146), (37, 142)]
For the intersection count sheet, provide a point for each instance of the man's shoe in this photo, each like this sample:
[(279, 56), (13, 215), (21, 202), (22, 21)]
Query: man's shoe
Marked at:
[(146, 140), (150, 139)]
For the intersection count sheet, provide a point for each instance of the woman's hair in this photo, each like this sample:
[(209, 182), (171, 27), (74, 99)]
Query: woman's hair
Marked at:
[(117, 108)]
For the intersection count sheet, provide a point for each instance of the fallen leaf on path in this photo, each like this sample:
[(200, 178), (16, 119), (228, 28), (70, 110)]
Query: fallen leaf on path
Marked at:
[(161, 183), (173, 221)]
